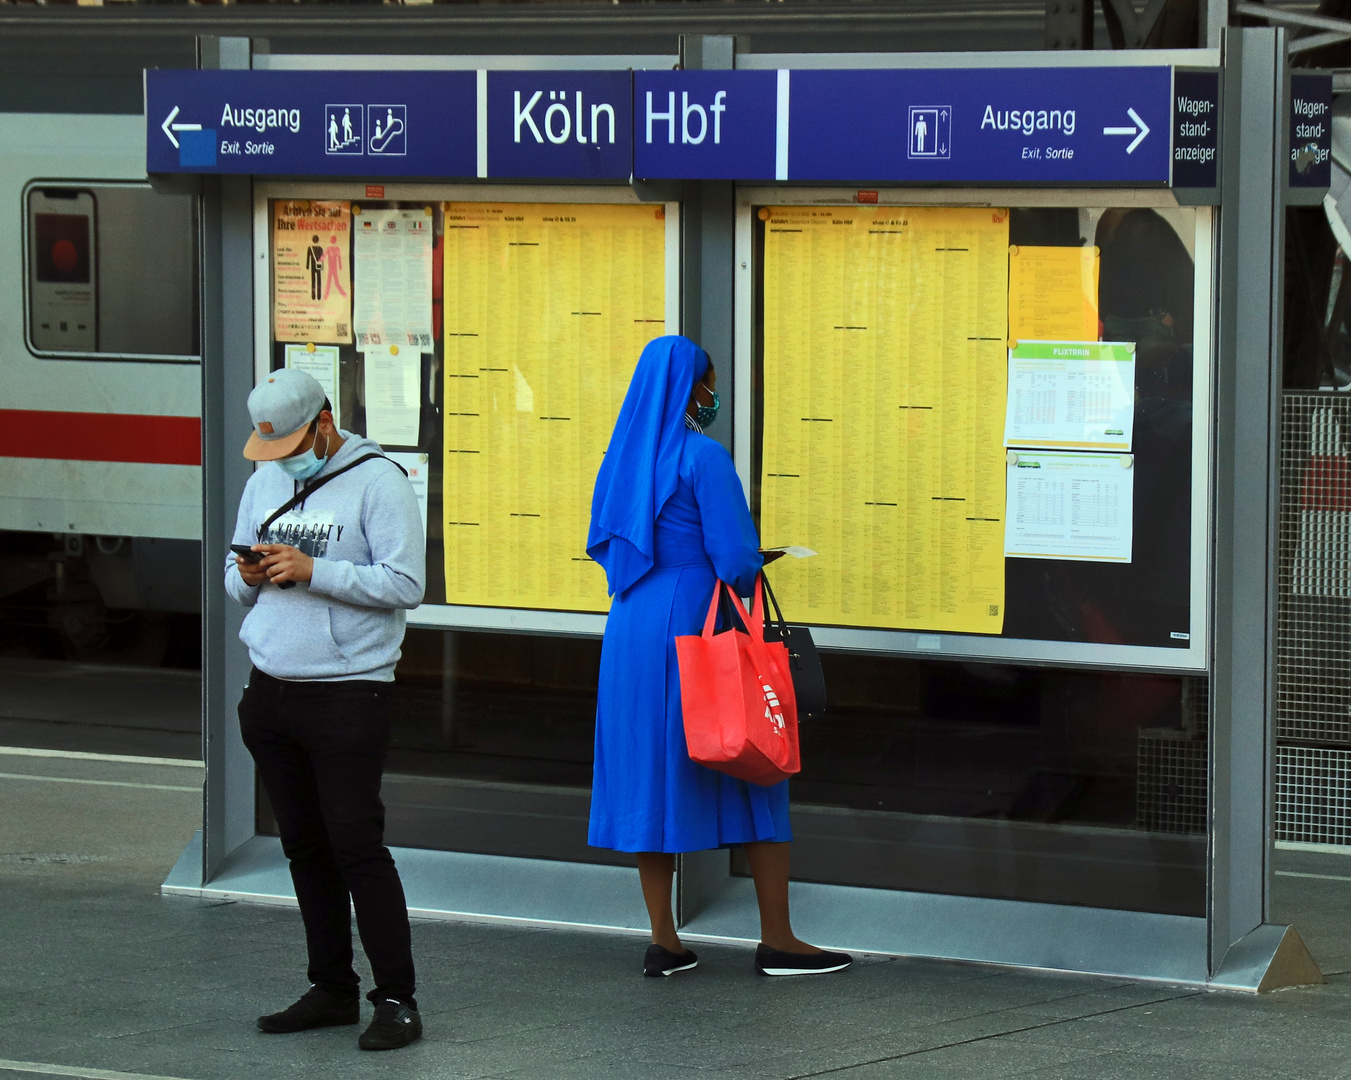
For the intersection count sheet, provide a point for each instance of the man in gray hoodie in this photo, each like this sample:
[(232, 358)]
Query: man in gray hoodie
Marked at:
[(327, 582)]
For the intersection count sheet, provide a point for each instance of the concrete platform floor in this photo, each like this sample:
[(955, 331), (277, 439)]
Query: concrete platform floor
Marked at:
[(101, 977)]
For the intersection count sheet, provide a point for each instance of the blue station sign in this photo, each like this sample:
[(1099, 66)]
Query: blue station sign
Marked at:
[(1100, 125), (560, 124), (1196, 129), (1310, 131), (982, 125), (301, 123), (705, 125)]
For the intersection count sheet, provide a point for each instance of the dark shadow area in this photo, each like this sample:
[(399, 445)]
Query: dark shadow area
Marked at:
[(972, 779)]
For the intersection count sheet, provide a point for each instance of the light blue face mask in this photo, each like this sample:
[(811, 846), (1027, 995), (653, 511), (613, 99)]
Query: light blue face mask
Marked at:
[(706, 414), (303, 466)]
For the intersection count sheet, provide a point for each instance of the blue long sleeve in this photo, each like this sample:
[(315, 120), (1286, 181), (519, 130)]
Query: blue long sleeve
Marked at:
[(730, 538)]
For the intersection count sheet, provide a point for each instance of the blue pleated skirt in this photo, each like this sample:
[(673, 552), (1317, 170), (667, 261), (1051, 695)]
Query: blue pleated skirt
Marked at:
[(647, 795)]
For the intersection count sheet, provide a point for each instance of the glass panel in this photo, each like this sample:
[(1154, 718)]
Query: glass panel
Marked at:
[(492, 746), (893, 413), (531, 344), (964, 778), (970, 779), (1021, 783), (112, 271), (942, 495)]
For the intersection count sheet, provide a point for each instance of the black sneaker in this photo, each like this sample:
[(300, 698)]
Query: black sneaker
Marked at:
[(660, 961), (395, 1025), (316, 1008), (773, 962)]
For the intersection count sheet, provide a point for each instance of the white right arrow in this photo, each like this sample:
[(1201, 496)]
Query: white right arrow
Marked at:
[(1139, 131), (169, 124)]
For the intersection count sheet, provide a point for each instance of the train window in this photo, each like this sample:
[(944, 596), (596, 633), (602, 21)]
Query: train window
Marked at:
[(111, 272)]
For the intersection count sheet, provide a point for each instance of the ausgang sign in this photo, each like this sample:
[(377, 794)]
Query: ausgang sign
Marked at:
[(300, 123), (1037, 126), (978, 125), (981, 125)]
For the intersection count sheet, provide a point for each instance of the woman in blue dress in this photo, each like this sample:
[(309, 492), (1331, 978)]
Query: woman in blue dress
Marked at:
[(668, 519)]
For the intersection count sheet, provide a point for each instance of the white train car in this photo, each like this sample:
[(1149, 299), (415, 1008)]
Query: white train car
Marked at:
[(100, 382), (100, 481)]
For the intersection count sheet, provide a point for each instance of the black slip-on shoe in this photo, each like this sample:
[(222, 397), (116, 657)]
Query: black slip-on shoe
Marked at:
[(773, 962), (316, 1008), (395, 1025), (660, 961)]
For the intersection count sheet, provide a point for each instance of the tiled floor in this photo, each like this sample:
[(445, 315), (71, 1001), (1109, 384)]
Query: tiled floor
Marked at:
[(101, 976)]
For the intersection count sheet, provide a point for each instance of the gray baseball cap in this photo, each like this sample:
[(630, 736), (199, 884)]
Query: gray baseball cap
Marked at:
[(282, 406)]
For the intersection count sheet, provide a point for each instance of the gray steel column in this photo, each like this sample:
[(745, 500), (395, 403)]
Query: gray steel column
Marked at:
[(227, 378), (1213, 17), (708, 247), (707, 259), (1247, 399)]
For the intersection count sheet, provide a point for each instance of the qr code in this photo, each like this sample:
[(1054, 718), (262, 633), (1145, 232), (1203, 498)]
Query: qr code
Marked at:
[(363, 339), (425, 340), (342, 329), (994, 609)]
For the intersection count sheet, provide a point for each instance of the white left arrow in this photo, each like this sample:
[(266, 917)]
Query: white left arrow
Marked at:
[(169, 124), (1140, 128)]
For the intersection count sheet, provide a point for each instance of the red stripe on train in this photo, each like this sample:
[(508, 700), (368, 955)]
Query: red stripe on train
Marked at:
[(74, 436)]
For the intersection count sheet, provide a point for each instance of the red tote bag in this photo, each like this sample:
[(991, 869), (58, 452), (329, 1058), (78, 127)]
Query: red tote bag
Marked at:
[(736, 692)]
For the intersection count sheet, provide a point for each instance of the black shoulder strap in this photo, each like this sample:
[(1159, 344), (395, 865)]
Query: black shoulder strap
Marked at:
[(310, 489), (776, 616)]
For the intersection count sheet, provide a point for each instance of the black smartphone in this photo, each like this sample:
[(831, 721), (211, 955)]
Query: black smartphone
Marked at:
[(246, 553)]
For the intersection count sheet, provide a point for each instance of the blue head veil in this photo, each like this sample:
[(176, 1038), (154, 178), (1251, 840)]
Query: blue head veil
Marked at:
[(642, 465)]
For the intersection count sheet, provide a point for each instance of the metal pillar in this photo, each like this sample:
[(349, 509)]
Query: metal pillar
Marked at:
[(1214, 19), (1069, 24), (707, 313), (707, 247), (227, 378), (1245, 950)]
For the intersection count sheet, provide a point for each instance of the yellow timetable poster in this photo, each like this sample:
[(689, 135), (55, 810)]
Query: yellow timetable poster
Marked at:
[(546, 309), (1053, 293), (884, 390)]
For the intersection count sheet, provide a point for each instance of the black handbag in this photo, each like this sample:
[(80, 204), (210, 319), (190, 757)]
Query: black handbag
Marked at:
[(809, 681)]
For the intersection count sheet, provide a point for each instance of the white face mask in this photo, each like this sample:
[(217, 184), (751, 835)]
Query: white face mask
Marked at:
[(303, 466)]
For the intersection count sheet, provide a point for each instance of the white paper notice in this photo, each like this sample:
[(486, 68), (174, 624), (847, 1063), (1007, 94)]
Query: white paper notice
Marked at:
[(392, 399), (795, 550), (415, 465), (1069, 506), (1071, 394), (321, 361), (392, 252)]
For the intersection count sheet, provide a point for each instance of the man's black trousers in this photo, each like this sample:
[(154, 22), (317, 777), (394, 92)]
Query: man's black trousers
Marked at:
[(320, 748)]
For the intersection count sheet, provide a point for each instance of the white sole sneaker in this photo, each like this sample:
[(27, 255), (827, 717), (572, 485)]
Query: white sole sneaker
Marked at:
[(773, 962), (660, 962)]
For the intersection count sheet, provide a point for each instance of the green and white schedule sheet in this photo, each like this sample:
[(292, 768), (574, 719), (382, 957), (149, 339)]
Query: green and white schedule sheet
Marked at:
[(1068, 432), (1077, 395)]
